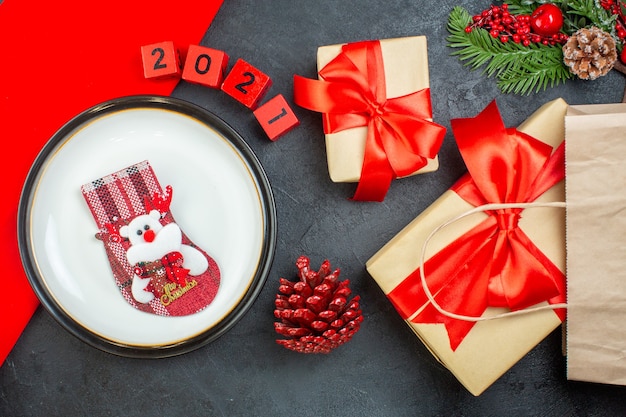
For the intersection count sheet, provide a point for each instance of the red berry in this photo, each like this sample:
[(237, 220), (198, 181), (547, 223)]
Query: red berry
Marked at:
[(622, 56), (523, 29), (546, 20)]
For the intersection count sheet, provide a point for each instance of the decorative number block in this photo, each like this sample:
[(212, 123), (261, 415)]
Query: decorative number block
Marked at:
[(160, 60), (276, 117), (246, 84), (205, 66)]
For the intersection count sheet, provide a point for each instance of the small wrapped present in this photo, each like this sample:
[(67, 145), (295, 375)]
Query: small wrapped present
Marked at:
[(489, 262), (375, 100)]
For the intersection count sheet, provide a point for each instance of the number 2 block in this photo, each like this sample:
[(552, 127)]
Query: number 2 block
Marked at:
[(160, 60), (205, 66), (276, 117), (246, 84)]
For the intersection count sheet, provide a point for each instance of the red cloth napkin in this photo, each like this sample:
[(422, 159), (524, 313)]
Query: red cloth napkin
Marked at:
[(58, 58)]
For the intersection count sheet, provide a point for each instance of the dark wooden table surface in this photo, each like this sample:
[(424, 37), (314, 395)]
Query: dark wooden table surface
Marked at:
[(385, 370)]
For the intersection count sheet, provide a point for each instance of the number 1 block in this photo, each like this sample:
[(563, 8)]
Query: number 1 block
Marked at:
[(246, 84), (205, 66), (276, 117), (160, 60)]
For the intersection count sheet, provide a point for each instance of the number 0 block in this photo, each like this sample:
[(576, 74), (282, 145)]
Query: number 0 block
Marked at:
[(276, 117), (246, 84), (160, 60), (205, 66)]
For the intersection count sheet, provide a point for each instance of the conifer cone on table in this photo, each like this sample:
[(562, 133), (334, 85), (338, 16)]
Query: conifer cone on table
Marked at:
[(316, 313)]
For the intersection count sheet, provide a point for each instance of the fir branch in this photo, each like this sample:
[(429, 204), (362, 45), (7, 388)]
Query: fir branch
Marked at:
[(591, 14), (519, 69), (535, 77), (528, 6)]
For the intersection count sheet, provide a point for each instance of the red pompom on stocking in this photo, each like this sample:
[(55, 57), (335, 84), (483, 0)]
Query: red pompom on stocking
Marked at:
[(316, 313), (156, 267)]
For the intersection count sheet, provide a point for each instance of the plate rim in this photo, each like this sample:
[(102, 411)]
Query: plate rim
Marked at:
[(261, 182)]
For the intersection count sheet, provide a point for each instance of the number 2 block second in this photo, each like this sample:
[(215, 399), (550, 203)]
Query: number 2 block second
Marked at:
[(246, 84)]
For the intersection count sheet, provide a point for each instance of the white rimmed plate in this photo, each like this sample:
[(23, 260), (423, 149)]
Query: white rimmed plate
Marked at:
[(222, 201)]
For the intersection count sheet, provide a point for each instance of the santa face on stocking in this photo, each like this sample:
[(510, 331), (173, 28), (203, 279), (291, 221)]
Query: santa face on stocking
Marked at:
[(157, 268), (157, 251)]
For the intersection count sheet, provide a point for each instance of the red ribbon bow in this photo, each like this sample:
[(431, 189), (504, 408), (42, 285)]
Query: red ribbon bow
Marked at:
[(352, 93), (495, 263)]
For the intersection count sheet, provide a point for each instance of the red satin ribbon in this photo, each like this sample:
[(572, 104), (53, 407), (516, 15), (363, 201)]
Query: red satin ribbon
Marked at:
[(495, 264), (352, 93)]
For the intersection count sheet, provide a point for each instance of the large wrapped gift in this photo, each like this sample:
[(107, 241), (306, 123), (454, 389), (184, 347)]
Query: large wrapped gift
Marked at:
[(377, 114), (491, 262)]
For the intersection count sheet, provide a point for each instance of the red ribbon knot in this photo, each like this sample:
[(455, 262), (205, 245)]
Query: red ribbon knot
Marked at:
[(352, 93), (508, 219), (377, 109)]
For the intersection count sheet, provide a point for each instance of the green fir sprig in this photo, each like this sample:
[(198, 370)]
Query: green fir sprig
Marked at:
[(519, 69)]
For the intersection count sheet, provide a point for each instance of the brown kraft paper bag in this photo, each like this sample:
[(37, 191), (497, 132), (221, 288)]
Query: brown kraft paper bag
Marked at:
[(595, 141)]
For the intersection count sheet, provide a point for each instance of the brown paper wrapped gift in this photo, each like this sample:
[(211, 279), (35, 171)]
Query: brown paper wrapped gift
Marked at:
[(368, 86), (596, 230), (490, 347)]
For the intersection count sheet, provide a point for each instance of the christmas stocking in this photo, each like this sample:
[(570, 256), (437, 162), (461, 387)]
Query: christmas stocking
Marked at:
[(156, 267)]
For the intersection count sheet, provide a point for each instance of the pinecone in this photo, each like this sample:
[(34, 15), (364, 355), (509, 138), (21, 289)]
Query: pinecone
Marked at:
[(315, 312), (590, 53)]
